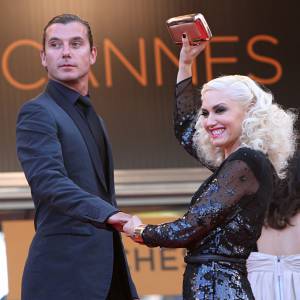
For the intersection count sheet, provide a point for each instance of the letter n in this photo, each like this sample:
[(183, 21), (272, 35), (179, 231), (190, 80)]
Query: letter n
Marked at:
[(109, 48)]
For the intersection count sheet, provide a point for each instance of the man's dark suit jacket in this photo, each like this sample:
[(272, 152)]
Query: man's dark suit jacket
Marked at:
[(72, 253)]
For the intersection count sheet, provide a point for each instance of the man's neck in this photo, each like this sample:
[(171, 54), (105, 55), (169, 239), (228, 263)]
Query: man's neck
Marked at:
[(79, 87)]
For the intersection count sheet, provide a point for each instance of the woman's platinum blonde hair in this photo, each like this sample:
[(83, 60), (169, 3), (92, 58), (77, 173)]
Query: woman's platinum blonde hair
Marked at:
[(267, 127)]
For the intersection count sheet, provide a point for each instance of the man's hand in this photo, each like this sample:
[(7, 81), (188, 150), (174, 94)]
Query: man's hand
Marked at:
[(131, 225), (118, 220)]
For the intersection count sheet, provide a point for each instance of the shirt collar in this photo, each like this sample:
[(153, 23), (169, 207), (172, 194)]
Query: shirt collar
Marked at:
[(69, 94)]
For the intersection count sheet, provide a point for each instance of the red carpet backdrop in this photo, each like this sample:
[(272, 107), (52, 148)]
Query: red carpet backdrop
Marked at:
[(132, 83)]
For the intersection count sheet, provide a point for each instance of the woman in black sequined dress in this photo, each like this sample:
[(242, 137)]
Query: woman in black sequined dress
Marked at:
[(232, 132)]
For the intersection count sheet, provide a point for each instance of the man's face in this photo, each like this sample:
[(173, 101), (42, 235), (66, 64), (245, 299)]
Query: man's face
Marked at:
[(67, 55)]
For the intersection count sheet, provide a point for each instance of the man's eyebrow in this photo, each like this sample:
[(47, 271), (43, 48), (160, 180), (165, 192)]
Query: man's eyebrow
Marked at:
[(58, 39), (53, 39)]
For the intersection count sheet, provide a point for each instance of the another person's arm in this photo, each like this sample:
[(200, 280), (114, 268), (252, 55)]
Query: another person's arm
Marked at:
[(39, 151), (219, 202), (187, 100)]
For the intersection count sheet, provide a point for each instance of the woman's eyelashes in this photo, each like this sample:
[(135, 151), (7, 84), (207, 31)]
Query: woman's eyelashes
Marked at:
[(204, 113), (216, 110), (220, 109)]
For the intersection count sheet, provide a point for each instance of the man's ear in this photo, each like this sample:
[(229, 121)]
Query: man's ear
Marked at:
[(43, 58), (93, 55)]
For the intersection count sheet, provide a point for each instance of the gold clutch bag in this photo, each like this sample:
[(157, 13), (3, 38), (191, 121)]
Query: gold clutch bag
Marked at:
[(194, 25)]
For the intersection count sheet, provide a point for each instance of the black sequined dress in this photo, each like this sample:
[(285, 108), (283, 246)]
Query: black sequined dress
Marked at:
[(225, 216)]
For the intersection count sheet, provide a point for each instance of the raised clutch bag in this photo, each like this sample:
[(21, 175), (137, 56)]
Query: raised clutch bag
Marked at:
[(194, 25)]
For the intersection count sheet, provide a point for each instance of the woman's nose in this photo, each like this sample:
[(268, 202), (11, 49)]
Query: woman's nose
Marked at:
[(210, 120)]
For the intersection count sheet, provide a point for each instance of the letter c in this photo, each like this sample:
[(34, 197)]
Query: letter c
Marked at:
[(5, 65)]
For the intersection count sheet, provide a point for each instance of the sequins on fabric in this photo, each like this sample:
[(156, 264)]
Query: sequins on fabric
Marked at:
[(186, 110), (227, 279), (225, 217)]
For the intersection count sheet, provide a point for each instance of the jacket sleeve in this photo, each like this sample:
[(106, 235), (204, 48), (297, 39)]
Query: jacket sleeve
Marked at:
[(209, 209), (187, 105), (40, 154)]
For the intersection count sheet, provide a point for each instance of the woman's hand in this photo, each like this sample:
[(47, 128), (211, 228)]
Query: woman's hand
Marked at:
[(129, 227), (187, 54)]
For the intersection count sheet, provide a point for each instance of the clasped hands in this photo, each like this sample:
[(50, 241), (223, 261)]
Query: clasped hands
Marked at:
[(125, 223), (122, 221)]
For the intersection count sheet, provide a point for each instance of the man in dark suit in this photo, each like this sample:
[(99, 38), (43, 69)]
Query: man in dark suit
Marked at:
[(63, 147)]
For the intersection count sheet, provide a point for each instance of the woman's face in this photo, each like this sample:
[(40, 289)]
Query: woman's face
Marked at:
[(222, 119)]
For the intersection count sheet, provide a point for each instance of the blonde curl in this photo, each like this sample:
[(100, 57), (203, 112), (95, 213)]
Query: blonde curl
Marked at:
[(267, 127)]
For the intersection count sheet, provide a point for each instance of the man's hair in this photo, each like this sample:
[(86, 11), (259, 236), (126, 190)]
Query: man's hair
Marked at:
[(65, 19)]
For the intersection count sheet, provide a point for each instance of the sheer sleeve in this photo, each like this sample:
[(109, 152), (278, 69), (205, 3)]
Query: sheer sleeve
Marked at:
[(187, 105), (210, 208)]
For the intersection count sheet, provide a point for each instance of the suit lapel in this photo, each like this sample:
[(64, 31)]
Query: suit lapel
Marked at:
[(84, 130), (110, 159)]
